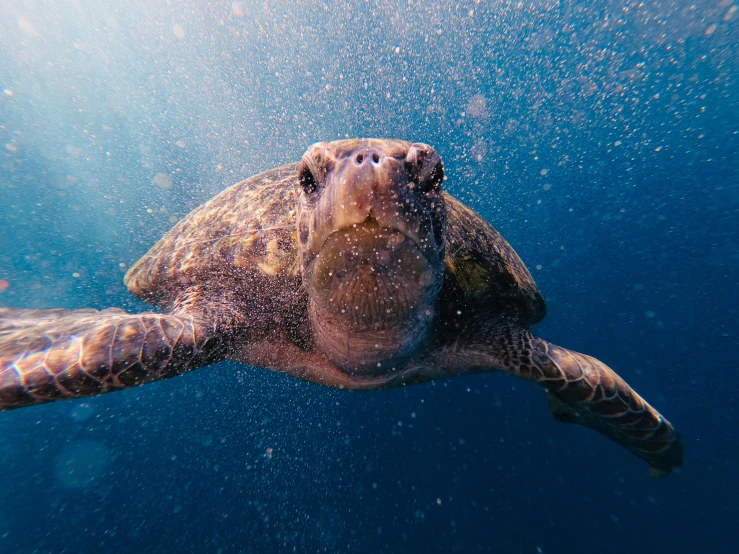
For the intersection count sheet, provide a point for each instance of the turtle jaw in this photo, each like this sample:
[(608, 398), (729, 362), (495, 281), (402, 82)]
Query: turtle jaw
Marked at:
[(372, 299)]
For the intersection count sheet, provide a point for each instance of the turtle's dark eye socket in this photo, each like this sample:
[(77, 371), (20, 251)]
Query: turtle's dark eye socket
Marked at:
[(307, 181), (432, 184)]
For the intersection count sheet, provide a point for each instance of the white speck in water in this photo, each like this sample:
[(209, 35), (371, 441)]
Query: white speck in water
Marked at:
[(82, 412), (29, 29), (237, 9)]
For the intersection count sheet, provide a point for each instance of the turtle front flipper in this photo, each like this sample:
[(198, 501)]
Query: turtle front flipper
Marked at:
[(584, 390), (48, 355), (581, 389)]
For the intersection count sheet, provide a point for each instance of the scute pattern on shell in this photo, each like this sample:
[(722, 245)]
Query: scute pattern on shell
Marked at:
[(483, 271), (249, 227)]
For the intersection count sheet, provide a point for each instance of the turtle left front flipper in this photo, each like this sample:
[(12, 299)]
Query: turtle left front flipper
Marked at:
[(48, 355), (581, 389)]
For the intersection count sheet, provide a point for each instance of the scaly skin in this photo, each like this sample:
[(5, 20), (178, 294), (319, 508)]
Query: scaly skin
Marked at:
[(48, 355), (581, 389)]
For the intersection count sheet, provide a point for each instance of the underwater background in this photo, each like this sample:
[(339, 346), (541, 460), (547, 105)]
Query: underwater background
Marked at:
[(601, 138)]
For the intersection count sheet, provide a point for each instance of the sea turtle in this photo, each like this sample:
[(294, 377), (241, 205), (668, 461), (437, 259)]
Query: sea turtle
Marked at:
[(351, 269)]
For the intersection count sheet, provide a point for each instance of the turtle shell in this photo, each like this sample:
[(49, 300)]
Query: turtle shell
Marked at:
[(483, 274), (247, 234)]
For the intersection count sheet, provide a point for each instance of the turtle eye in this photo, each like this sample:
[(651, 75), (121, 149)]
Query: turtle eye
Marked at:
[(307, 181), (424, 167), (432, 184)]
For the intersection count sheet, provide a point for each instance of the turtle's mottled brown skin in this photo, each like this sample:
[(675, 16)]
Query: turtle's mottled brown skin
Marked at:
[(351, 269)]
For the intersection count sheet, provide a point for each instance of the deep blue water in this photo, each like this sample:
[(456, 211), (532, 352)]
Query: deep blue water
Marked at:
[(600, 138)]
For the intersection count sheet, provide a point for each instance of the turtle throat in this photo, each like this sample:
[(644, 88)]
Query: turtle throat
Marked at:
[(372, 298)]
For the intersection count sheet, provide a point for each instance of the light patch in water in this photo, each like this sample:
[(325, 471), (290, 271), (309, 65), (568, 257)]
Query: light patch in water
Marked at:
[(81, 464), (82, 412), (163, 180)]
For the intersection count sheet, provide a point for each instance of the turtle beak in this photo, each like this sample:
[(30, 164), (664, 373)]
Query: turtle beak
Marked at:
[(367, 189)]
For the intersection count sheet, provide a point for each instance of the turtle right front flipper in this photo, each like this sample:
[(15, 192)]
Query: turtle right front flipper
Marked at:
[(48, 355), (584, 390), (581, 389)]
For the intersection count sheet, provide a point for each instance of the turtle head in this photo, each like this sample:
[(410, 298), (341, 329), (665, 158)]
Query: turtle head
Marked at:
[(371, 226)]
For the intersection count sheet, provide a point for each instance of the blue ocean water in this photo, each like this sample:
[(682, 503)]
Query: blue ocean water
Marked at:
[(601, 138)]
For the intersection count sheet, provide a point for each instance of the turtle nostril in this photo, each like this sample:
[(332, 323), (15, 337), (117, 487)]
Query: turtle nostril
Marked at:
[(366, 156)]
